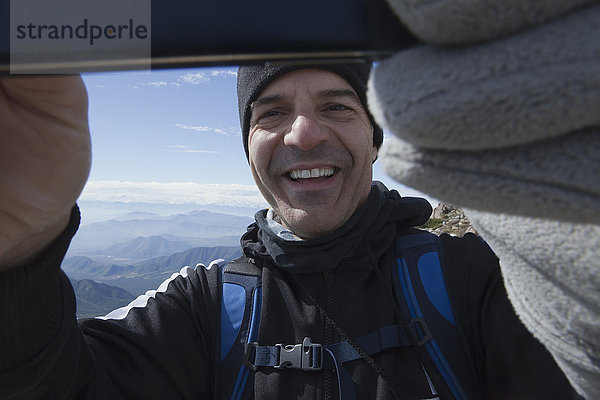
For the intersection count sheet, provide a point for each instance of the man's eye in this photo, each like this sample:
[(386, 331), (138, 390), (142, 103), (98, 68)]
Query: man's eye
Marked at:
[(337, 107), (268, 115), (271, 113)]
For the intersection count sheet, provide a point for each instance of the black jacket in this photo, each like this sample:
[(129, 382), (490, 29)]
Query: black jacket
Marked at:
[(163, 347)]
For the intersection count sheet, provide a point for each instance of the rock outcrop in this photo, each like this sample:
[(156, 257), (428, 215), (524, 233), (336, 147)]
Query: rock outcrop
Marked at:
[(448, 219)]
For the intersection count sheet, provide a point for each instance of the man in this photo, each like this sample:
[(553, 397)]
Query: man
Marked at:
[(324, 248)]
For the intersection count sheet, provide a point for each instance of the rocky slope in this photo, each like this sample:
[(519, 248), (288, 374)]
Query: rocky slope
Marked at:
[(448, 219)]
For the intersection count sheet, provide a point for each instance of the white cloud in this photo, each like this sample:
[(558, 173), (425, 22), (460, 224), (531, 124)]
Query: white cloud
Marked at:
[(197, 78), (224, 74), (198, 128), (194, 78), (201, 128), (179, 148), (190, 78), (234, 195), (156, 84)]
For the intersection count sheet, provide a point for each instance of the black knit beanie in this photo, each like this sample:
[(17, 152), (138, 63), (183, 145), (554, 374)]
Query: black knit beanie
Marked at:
[(252, 80)]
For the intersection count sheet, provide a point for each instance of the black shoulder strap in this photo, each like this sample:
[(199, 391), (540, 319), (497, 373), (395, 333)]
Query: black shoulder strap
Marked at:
[(423, 288), (239, 318)]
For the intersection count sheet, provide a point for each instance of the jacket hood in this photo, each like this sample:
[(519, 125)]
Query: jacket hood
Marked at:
[(374, 226)]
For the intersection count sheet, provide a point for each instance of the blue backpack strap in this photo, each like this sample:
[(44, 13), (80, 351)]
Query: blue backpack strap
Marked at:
[(423, 289), (240, 314)]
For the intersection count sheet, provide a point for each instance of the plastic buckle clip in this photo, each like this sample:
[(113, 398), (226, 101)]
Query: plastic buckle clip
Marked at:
[(307, 356)]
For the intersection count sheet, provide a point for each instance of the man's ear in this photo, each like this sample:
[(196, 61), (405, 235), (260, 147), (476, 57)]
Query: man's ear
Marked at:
[(375, 153)]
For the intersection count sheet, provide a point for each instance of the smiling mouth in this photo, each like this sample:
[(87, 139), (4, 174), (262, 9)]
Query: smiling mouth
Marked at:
[(298, 174)]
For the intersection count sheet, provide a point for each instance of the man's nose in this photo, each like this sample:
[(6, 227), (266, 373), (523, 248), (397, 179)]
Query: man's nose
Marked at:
[(306, 132)]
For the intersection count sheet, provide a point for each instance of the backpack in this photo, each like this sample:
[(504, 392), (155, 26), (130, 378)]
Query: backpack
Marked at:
[(421, 292)]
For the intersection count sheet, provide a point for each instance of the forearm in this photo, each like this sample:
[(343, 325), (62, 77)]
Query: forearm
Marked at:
[(37, 309), (158, 350)]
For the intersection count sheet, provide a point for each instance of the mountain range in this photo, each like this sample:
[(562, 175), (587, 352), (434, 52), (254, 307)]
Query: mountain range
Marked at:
[(111, 262), (100, 210), (144, 275), (143, 248), (94, 299), (179, 231)]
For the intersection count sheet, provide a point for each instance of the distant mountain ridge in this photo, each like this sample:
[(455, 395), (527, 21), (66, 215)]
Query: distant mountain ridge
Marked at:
[(95, 299), (148, 274), (192, 257), (82, 267), (136, 215), (146, 247), (137, 250), (98, 210), (196, 229)]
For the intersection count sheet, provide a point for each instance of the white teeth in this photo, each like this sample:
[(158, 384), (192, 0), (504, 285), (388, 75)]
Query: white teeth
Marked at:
[(312, 173)]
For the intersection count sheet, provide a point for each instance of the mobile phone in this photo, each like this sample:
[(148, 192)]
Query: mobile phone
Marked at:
[(216, 32)]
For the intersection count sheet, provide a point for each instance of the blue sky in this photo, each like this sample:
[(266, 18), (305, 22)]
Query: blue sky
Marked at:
[(171, 136), (171, 125)]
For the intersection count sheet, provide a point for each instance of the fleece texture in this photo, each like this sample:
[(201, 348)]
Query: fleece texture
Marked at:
[(498, 112), (557, 178), (467, 21), (552, 279), (520, 89)]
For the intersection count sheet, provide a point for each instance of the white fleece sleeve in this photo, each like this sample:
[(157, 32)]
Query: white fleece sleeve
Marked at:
[(507, 125)]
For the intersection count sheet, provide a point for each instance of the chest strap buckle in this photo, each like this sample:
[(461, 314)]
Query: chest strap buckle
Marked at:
[(307, 356)]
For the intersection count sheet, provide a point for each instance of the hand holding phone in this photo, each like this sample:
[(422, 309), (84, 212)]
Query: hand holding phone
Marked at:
[(45, 157)]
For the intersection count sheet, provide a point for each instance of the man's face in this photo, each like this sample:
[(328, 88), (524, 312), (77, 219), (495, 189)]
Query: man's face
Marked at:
[(311, 150)]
